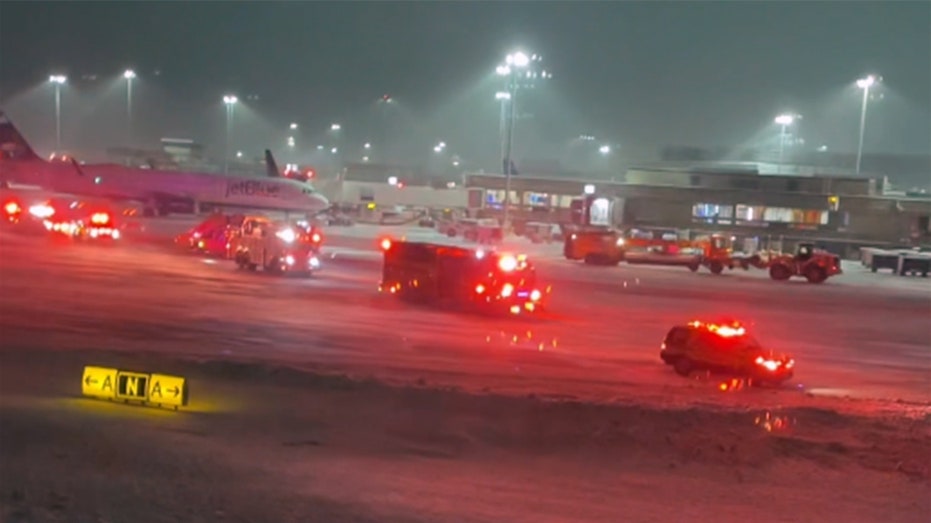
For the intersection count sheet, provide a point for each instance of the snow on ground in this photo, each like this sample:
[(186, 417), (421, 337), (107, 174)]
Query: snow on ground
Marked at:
[(319, 399)]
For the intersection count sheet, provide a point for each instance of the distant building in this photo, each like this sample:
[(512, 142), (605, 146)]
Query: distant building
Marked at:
[(844, 210)]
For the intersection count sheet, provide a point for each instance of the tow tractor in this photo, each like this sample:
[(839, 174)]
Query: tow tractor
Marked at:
[(813, 264), (717, 253), (461, 277), (276, 246)]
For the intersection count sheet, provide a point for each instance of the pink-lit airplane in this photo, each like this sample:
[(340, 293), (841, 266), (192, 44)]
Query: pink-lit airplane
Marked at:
[(158, 190)]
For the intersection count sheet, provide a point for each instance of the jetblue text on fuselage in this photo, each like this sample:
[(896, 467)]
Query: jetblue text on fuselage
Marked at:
[(252, 188)]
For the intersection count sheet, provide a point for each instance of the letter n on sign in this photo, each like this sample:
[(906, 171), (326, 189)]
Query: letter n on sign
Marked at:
[(132, 386)]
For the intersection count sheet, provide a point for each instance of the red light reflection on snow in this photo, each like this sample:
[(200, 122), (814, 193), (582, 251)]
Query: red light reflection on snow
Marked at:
[(733, 384), (525, 340), (771, 422)]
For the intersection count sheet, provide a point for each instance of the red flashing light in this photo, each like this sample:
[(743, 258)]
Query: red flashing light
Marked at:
[(316, 237), (725, 331), (12, 208), (100, 218), (386, 244)]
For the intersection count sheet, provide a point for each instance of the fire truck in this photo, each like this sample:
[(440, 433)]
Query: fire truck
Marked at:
[(277, 246), (460, 277)]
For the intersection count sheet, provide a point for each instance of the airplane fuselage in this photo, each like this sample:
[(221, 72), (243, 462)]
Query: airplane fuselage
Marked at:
[(162, 187)]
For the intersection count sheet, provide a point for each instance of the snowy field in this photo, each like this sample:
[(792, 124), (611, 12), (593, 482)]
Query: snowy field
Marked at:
[(321, 400)]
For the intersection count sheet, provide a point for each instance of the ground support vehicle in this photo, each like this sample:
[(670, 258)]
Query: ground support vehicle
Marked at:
[(665, 255), (724, 347), (901, 262), (460, 277), (595, 246), (276, 246), (815, 265), (717, 254), (479, 230)]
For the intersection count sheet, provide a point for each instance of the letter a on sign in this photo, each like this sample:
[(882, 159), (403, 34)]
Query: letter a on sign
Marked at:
[(97, 382), (168, 391)]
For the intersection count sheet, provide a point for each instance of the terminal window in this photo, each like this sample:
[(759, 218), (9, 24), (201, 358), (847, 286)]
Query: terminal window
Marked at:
[(712, 213), (755, 214), (537, 199)]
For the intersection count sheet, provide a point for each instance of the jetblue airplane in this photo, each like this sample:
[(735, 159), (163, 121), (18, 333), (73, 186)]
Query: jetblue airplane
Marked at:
[(158, 190)]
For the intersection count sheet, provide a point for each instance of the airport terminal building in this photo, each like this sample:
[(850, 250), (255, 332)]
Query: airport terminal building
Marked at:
[(835, 209)]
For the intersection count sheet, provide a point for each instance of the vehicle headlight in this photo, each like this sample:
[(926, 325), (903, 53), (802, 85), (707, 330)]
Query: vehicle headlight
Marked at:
[(287, 235), (620, 242), (289, 259), (314, 262), (770, 365)]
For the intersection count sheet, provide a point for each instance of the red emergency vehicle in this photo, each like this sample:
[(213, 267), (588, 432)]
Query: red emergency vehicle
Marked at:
[(460, 276)]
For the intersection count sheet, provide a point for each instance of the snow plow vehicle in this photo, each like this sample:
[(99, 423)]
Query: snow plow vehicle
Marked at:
[(726, 348), (277, 246), (460, 277)]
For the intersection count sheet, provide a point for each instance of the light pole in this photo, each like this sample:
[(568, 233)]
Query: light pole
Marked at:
[(504, 97), (865, 84), (515, 69), (129, 75), (229, 101), (58, 80), (387, 107), (783, 120)]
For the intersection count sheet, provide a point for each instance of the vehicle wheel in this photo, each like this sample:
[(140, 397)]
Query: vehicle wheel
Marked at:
[(590, 259), (815, 274), (780, 272), (252, 266), (716, 267), (683, 366), (693, 267)]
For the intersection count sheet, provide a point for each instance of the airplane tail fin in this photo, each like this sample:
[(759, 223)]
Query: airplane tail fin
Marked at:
[(12, 144), (271, 167)]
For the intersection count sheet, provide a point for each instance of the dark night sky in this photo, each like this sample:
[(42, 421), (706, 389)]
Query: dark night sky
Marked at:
[(652, 73)]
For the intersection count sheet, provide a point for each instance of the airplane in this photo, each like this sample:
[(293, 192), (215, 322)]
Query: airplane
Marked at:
[(159, 190)]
